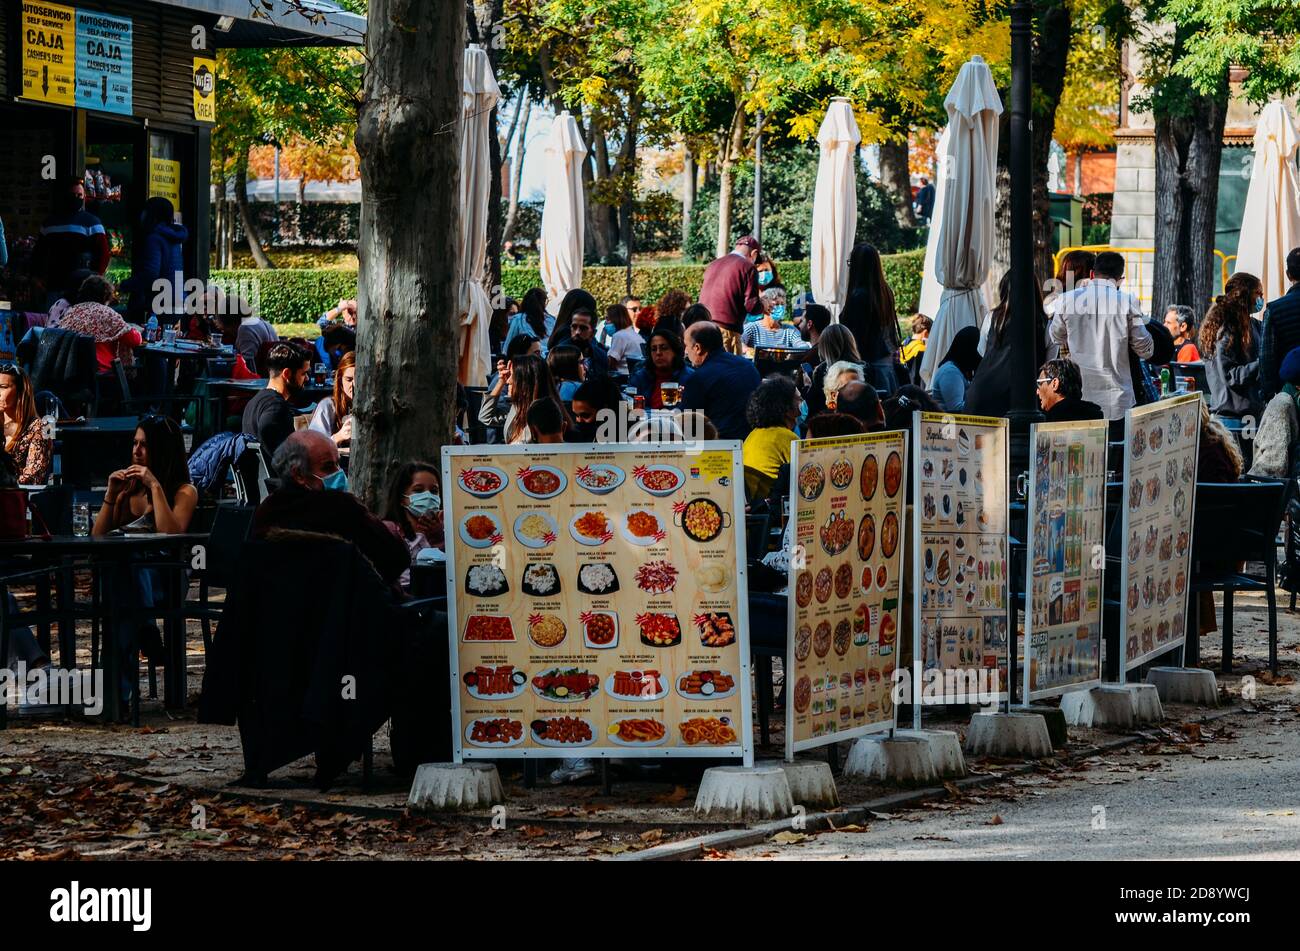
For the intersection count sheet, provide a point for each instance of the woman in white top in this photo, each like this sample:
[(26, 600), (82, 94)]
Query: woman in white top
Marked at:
[(626, 342), (333, 416)]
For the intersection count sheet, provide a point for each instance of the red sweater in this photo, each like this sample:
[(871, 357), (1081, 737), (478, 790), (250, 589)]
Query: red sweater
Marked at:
[(730, 291)]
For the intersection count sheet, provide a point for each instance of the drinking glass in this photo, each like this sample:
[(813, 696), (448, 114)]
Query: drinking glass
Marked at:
[(81, 519)]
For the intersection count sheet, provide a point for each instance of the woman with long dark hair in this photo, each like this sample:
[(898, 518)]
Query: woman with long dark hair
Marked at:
[(1230, 348), (524, 379), (835, 345), (567, 370), (870, 314), (532, 319), (666, 364), (413, 510), (24, 439), (953, 375), (989, 393), (154, 492)]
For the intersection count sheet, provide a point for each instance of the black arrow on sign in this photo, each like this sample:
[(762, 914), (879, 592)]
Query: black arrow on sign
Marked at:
[(45, 79), (103, 89)]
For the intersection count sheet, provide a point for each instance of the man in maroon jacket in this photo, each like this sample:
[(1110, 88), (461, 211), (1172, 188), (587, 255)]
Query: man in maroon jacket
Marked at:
[(730, 291)]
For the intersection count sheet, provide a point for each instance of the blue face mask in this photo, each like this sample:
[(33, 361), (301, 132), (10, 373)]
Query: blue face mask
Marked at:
[(778, 313), (764, 278), (1259, 304), (336, 480), (422, 503)]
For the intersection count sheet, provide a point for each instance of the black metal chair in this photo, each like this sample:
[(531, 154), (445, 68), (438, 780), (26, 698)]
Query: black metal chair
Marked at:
[(230, 527), (1235, 523), (756, 535)]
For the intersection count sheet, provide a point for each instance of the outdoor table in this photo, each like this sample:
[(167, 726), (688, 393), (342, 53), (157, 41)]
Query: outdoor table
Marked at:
[(118, 554), (317, 391), (173, 353), (93, 448)]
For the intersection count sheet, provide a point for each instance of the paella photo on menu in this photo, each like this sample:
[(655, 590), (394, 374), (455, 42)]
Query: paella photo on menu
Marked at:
[(1159, 491), (847, 501), (598, 601), (1067, 505), (961, 552)]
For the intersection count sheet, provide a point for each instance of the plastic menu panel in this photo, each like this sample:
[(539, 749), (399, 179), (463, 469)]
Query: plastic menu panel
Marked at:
[(847, 498), (597, 601), (1067, 516)]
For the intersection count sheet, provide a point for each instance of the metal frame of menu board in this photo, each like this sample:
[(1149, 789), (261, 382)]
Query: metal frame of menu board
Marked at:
[(744, 749), (1032, 505), (791, 745), (1125, 665), (919, 420)]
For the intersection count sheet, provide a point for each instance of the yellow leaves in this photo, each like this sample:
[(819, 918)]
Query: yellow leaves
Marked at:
[(805, 126), (590, 89)]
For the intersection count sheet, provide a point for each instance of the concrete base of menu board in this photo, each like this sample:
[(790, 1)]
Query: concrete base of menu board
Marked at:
[(811, 783), (1146, 703), (1185, 685), (744, 793), (905, 760), (1101, 707), (945, 751), (452, 786), (1016, 735)]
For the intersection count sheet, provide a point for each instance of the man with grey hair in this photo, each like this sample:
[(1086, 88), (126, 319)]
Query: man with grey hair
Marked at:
[(1180, 321), (313, 496)]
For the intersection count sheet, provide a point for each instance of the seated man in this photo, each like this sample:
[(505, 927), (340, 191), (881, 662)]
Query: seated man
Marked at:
[(269, 415), (1060, 393), (722, 382), (313, 497), (862, 402)]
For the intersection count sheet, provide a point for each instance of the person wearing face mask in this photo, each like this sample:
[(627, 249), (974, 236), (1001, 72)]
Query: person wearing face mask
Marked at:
[(1230, 340), (313, 496), (413, 511), (770, 331), (71, 239), (269, 415)]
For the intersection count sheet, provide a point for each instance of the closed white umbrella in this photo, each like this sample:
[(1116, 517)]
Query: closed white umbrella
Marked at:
[(479, 94), (931, 289), (562, 216), (1270, 226), (835, 206), (964, 248)]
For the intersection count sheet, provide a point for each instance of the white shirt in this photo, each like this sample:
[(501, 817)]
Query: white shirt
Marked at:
[(1099, 323), (626, 343)]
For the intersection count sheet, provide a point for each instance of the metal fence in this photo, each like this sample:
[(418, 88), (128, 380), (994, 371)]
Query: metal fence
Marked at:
[(1139, 268)]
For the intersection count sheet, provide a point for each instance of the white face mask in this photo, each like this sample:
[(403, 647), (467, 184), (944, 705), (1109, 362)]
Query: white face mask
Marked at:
[(422, 503)]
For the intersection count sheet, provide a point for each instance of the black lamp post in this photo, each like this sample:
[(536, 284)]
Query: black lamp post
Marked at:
[(758, 180), (1024, 323)]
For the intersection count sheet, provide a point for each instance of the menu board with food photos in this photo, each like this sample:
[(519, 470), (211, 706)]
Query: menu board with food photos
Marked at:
[(847, 500), (960, 599), (1067, 518), (1161, 441), (597, 600)]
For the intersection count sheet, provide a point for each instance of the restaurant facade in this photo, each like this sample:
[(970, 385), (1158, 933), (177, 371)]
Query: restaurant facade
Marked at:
[(124, 94)]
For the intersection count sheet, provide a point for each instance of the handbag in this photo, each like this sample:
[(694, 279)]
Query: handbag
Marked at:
[(14, 506)]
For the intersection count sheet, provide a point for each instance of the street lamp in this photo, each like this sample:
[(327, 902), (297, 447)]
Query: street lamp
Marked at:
[(758, 179)]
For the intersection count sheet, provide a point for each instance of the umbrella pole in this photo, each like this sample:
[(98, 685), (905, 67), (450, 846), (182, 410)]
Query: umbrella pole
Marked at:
[(1024, 323)]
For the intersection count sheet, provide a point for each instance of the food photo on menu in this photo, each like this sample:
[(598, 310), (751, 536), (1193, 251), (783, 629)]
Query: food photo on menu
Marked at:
[(600, 607)]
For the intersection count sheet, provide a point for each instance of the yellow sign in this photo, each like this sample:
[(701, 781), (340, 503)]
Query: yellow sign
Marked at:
[(49, 53), (205, 89), (165, 180)]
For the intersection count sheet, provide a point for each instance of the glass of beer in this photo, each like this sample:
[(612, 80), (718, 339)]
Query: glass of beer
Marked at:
[(321, 371), (671, 393)]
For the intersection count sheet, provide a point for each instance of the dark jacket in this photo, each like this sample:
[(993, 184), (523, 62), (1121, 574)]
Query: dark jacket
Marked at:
[(210, 462), (925, 201), (1233, 378), (721, 387), (330, 512), (161, 256), (269, 417), (70, 242), (61, 360), (730, 291), (1281, 335), (989, 393), (643, 380), (873, 346), (1072, 410)]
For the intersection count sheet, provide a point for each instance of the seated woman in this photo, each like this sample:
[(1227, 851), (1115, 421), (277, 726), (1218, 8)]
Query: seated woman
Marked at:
[(1277, 441), (948, 388), (523, 379), (333, 416), (770, 330), (153, 494), (626, 344), (1230, 341), (413, 511), (93, 316), (834, 345), (773, 411), (568, 370), (24, 439), (667, 364)]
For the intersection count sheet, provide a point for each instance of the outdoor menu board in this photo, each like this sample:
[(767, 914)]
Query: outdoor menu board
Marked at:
[(959, 564), (848, 503), (597, 600), (1067, 519), (1161, 441)]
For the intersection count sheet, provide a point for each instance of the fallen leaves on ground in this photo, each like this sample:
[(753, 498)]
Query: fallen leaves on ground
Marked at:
[(788, 838), (995, 821)]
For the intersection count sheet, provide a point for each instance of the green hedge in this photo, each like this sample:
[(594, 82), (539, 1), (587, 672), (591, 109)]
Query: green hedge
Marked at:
[(292, 296)]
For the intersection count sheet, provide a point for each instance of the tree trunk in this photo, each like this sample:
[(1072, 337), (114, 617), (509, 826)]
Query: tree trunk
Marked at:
[(688, 194), (521, 150), (726, 165), (251, 234), (407, 351), (896, 179), (1189, 151)]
